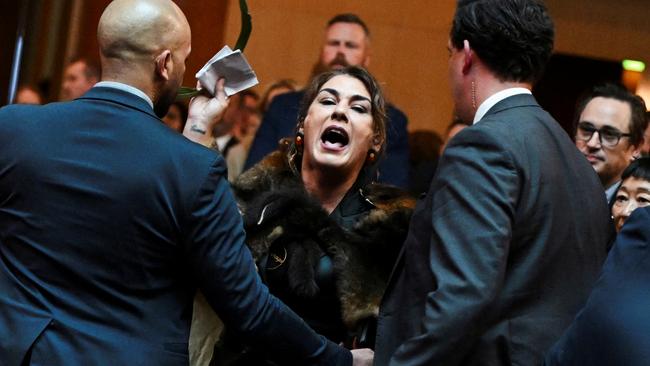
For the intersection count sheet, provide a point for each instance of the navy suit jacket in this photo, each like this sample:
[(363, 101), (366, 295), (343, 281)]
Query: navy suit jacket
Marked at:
[(614, 326), (109, 221), (503, 251), (281, 119)]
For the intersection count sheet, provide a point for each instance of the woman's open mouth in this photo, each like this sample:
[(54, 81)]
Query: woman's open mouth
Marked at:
[(334, 138)]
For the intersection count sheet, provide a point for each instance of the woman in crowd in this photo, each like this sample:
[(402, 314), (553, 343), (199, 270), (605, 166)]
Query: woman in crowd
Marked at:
[(324, 236), (634, 191), (176, 116)]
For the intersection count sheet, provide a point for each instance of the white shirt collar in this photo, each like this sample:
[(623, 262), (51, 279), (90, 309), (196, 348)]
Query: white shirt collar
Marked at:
[(496, 98), (611, 191), (126, 88)]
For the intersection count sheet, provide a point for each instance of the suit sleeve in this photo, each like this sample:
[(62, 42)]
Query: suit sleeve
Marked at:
[(612, 328), (394, 168), (224, 269), (474, 198)]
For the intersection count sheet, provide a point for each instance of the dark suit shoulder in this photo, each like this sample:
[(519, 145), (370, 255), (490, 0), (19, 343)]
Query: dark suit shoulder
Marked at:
[(395, 114), (292, 98)]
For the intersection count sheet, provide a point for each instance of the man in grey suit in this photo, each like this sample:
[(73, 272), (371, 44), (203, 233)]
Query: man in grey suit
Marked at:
[(503, 251)]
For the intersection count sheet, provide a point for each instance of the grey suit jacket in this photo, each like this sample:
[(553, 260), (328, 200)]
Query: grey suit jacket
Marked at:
[(502, 252)]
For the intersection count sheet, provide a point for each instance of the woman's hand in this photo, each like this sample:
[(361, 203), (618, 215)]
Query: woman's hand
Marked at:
[(204, 113)]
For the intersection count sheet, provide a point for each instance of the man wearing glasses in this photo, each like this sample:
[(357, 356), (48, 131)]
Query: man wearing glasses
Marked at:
[(611, 123)]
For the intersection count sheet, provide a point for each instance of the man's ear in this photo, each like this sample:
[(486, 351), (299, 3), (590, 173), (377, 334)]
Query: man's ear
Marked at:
[(366, 59), (366, 62), (468, 57), (636, 150), (164, 64)]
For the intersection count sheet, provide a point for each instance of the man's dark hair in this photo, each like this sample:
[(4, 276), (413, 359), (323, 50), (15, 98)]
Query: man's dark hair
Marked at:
[(349, 18), (638, 119), (91, 70), (514, 38)]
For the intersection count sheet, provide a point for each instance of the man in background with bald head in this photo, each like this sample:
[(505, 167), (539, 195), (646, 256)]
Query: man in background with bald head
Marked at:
[(109, 220)]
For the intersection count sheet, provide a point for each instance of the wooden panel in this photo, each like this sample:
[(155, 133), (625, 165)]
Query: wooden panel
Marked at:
[(207, 21)]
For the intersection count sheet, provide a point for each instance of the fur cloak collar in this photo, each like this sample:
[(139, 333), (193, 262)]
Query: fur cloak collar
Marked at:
[(276, 206)]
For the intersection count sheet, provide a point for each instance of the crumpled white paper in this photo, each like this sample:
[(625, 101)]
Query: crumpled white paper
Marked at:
[(230, 65)]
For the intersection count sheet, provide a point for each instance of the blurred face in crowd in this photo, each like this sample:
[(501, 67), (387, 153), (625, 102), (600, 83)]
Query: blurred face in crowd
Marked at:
[(28, 96), (75, 81), (612, 117), (633, 193), (250, 118), (346, 44), (339, 128), (174, 118)]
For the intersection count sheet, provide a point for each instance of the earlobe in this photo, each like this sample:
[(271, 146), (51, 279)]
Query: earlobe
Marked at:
[(636, 152)]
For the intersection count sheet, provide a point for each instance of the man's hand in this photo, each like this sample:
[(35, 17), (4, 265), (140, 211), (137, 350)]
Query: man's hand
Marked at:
[(204, 112), (362, 357)]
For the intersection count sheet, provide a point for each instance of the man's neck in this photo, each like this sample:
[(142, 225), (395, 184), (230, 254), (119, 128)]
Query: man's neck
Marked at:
[(129, 75)]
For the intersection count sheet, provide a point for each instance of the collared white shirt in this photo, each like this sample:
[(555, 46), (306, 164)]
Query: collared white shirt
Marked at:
[(126, 88), (496, 98), (611, 191)]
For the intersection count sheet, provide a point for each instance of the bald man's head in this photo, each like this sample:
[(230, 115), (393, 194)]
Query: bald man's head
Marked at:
[(133, 29), (144, 43)]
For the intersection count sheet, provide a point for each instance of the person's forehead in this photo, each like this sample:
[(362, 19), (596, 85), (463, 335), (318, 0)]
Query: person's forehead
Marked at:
[(634, 184), (76, 67), (249, 99), (602, 111), (351, 31), (346, 86)]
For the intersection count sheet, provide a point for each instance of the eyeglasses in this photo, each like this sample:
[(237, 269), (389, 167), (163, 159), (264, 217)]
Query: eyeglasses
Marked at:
[(608, 136)]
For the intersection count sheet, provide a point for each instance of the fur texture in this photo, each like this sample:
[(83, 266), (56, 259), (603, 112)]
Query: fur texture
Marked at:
[(276, 207)]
